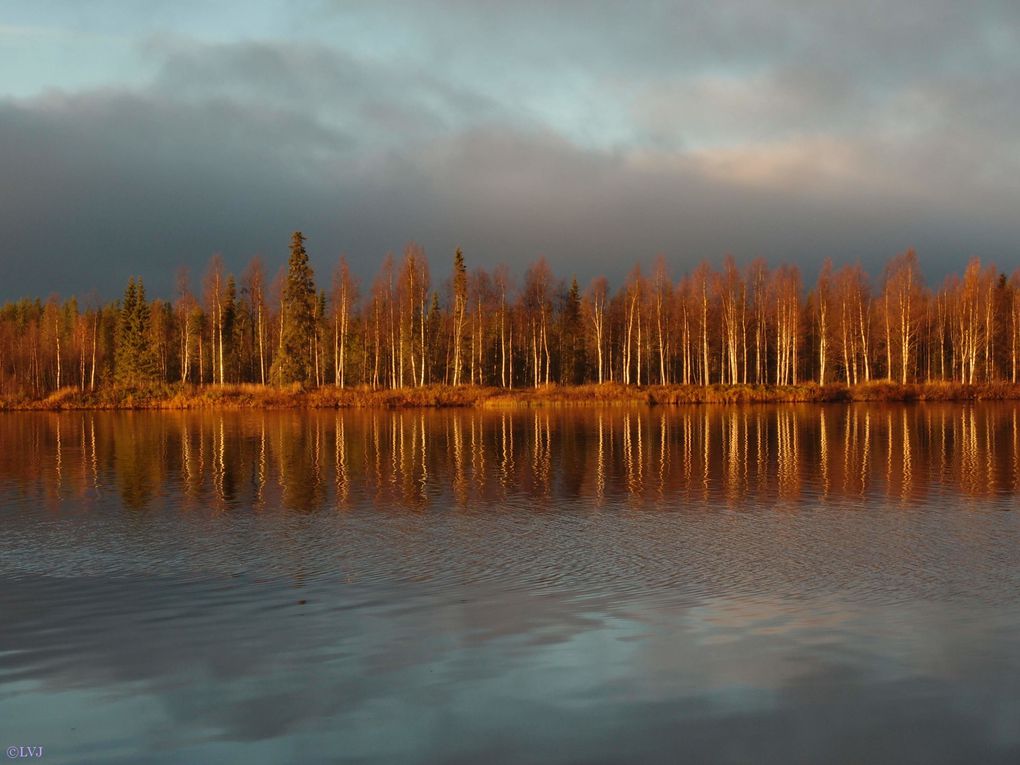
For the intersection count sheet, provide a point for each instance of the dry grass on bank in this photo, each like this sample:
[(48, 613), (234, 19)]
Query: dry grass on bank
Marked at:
[(251, 396)]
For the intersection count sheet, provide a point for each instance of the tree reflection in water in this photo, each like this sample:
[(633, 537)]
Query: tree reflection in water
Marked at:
[(422, 459)]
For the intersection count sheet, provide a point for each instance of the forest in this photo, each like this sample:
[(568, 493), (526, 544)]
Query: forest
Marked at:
[(713, 326)]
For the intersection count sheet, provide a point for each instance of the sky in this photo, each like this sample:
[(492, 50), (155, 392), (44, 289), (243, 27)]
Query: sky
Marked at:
[(139, 137)]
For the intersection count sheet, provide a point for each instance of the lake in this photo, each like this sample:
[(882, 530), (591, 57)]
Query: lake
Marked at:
[(787, 584)]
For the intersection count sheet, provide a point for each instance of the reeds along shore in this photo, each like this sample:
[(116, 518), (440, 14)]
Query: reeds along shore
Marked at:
[(248, 396)]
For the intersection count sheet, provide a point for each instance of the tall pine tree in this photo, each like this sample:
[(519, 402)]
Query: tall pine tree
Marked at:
[(134, 361), (459, 311), (228, 343), (571, 337), (295, 362)]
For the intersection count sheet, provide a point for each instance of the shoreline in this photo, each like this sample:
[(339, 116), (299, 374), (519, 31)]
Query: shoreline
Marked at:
[(249, 396)]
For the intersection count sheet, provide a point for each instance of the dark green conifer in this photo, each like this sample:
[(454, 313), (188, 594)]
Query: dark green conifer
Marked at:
[(294, 362), (134, 362), (230, 316), (571, 338)]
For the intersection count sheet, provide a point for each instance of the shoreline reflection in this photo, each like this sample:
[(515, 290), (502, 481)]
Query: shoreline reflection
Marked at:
[(667, 458)]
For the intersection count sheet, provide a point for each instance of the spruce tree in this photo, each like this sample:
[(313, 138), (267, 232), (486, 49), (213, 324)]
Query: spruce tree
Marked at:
[(134, 361), (459, 310), (572, 347), (435, 324), (294, 361), (228, 343)]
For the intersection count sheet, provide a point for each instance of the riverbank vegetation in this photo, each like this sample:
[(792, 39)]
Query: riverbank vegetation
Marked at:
[(485, 338), (248, 396)]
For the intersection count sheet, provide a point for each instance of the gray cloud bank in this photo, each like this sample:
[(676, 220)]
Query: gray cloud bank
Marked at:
[(762, 130)]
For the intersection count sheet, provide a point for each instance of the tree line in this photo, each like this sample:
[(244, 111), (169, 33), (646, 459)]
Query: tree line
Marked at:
[(752, 326)]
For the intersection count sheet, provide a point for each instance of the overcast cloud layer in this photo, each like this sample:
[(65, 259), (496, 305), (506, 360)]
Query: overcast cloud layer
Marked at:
[(596, 134)]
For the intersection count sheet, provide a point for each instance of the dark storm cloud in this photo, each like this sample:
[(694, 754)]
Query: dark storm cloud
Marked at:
[(114, 184), (595, 137)]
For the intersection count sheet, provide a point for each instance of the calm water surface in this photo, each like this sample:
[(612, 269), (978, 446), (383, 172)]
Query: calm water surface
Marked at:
[(742, 584)]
